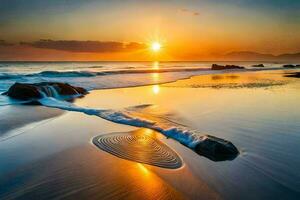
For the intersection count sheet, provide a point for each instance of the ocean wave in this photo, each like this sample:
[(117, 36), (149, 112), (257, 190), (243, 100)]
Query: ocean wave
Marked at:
[(101, 80), (64, 74), (127, 70), (54, 74), (189, 138), (5, 76)]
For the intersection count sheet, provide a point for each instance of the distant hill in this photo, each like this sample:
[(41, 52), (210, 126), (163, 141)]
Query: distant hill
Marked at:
[(295, 56), (254, 56)]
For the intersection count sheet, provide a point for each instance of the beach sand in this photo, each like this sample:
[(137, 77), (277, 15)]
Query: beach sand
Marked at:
[(16, 116), (259, 112)]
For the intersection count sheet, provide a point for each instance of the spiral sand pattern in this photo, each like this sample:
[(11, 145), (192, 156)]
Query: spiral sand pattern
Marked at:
[(139, 148)]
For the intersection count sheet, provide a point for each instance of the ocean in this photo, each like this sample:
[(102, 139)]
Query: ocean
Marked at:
[(105, 75)]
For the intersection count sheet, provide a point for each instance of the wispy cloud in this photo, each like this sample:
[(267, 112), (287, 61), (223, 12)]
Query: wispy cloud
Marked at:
[(86, 46), (188, 11)]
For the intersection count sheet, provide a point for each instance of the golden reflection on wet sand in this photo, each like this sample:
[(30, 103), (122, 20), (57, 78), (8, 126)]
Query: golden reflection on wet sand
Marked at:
[(233, 80), (87, 173), (139, 147), (155, 89)]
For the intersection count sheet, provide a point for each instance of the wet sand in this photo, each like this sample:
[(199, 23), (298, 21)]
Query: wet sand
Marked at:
[(16, 116), (139, 147), (57, 159), (69, 166)]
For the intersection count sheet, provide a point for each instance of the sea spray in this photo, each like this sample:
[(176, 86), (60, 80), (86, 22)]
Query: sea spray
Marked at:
[(186, 137)]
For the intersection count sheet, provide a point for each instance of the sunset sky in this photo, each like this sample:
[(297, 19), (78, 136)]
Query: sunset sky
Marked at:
[(125, 29)]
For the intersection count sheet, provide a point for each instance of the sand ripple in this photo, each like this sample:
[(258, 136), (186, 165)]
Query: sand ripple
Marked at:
[(139, 148)]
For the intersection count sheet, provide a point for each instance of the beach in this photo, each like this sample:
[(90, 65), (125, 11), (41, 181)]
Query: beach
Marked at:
[(149, 100), (48, 151)]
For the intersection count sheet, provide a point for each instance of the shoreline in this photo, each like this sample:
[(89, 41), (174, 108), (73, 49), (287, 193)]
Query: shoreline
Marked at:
[(186, 78), (54, 112), (62, 152)]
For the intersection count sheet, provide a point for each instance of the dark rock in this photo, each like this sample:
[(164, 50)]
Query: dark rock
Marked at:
[(26, 91), (291, 66), (23, 92), (222, 67), (258, 65), (216, 149), (293, 75), (66, 89)]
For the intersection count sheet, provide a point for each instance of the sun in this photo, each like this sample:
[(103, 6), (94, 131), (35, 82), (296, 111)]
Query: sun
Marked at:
[(155, 46)]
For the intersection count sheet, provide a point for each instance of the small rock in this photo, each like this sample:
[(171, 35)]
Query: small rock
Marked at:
[(222, 67), (258, 65), (290, 66), (216, 149)]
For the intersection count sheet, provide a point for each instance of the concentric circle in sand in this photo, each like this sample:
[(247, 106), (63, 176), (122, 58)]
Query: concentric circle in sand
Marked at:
[(139, 148)]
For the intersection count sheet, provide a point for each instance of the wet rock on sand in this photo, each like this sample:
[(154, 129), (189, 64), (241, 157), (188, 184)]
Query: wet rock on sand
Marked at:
[(26, 91), (216, 149)]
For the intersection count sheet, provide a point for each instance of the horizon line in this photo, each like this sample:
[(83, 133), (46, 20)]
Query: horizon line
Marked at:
[(274, 61)]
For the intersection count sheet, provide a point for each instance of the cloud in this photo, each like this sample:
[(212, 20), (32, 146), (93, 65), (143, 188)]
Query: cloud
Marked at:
[(188, 11), (86, 46), (4, 43)]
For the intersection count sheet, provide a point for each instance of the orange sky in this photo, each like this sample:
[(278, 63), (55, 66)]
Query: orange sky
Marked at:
[(188, 30)]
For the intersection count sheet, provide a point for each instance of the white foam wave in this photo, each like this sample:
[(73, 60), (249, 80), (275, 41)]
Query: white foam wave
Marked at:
[(53, 74), (187, 137), (102, 80)]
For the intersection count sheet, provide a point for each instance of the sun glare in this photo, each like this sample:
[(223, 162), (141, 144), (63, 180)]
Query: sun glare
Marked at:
[(155, 89), (155, 46)]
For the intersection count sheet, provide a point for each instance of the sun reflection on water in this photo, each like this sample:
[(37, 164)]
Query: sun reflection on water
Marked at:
[(155, 78), (155, 65), (155, 89), (148, 132)]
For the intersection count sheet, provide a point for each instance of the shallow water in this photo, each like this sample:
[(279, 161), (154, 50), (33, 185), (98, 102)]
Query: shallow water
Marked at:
[(263, 122), (105, 75)]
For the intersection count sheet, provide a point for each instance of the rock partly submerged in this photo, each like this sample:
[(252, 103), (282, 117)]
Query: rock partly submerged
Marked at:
[(28, 91), (216, 149), (258, 65), (225, 67), (291, 66)]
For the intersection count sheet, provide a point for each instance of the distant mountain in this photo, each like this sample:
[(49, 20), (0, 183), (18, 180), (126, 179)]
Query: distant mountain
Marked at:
[(254, 56), (295, 56)]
